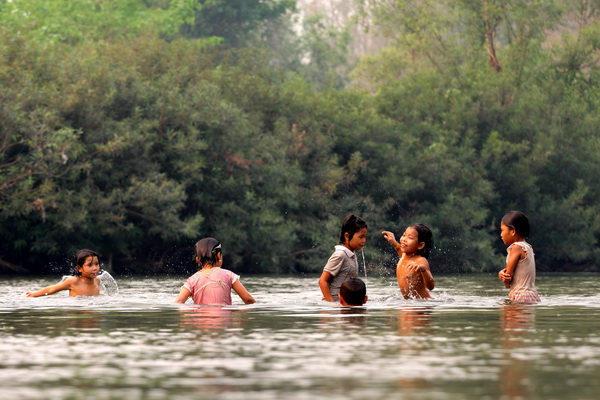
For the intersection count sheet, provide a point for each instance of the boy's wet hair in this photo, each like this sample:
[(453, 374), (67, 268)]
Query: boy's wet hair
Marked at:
[(518, 221), (81, 256), (425, 236), (351, 225), (353, 290), (206, 251)]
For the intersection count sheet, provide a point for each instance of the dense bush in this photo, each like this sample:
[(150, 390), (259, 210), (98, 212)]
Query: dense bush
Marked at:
[(139, 143)]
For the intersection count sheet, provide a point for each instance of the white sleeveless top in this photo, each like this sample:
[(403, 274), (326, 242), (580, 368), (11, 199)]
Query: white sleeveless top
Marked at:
[(522, 286)]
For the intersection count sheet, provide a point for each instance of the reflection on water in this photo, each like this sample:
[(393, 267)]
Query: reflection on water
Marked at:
[(354, 317), (210, 319), (467, 343), (84, 321), (516, 330), (414, 322)]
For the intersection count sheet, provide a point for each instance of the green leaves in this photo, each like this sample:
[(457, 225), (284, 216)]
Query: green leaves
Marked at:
[(474, 141), (120, 134), (72, 22)]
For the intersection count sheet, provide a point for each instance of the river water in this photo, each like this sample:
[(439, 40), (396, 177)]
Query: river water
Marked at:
[(467, 343)]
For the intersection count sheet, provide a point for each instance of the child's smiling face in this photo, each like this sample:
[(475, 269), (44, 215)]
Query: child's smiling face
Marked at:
[(358, 240), (409, 242)]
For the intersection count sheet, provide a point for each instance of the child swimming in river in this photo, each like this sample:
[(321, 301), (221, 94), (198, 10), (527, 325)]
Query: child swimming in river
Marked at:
[(342, 264), (85, 283), (413, 272), (212, 285), (519, 274), (353, 292)]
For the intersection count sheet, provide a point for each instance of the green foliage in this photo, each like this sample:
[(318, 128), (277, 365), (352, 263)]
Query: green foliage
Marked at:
[(325, 53), (239, 23), (76, 21), (522, 131), (122, 136)]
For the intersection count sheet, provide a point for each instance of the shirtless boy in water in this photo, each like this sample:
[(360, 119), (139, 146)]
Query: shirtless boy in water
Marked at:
[(86, 283), (413, 273)]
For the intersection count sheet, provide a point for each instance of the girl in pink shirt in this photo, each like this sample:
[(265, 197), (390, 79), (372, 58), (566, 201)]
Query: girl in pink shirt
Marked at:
[(212, 285)]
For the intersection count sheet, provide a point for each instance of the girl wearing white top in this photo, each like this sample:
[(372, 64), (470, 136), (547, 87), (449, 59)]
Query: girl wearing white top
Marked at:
[(519, 274)]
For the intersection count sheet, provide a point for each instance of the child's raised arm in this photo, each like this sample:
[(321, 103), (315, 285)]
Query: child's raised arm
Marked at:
[(242, 292), (64, 285), (391, 238)]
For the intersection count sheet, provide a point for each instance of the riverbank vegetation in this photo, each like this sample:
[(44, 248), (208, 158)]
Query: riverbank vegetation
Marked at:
[(137, 127)]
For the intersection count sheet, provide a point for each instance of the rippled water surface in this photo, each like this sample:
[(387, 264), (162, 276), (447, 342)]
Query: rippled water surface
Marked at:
[(466, 344)]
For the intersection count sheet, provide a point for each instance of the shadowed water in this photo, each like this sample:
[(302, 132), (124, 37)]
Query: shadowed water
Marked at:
[(465, 344)]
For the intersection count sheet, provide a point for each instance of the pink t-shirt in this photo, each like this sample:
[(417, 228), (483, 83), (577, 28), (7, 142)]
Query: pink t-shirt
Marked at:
[(211, 289)]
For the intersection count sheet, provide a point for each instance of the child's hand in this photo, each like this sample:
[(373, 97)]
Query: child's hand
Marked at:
[(389, 236), (415, 267), (505, 277)]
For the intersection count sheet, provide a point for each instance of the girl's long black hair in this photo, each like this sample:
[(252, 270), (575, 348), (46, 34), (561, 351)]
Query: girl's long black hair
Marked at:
[(426, 237)]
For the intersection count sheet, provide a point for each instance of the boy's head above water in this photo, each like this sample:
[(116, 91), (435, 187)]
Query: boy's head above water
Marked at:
[(353, 292), (85, 257)]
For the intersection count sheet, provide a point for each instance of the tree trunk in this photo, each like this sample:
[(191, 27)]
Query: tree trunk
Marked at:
[(489, 37), (109, 264), (12, 267)]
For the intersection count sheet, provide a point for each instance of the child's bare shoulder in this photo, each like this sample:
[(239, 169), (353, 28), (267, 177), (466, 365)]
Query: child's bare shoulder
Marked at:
[(71, 280), (516, 247), (421, 260)]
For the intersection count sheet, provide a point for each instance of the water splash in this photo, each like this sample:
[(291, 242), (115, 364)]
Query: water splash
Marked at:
[(108, 283), (364, 265)]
